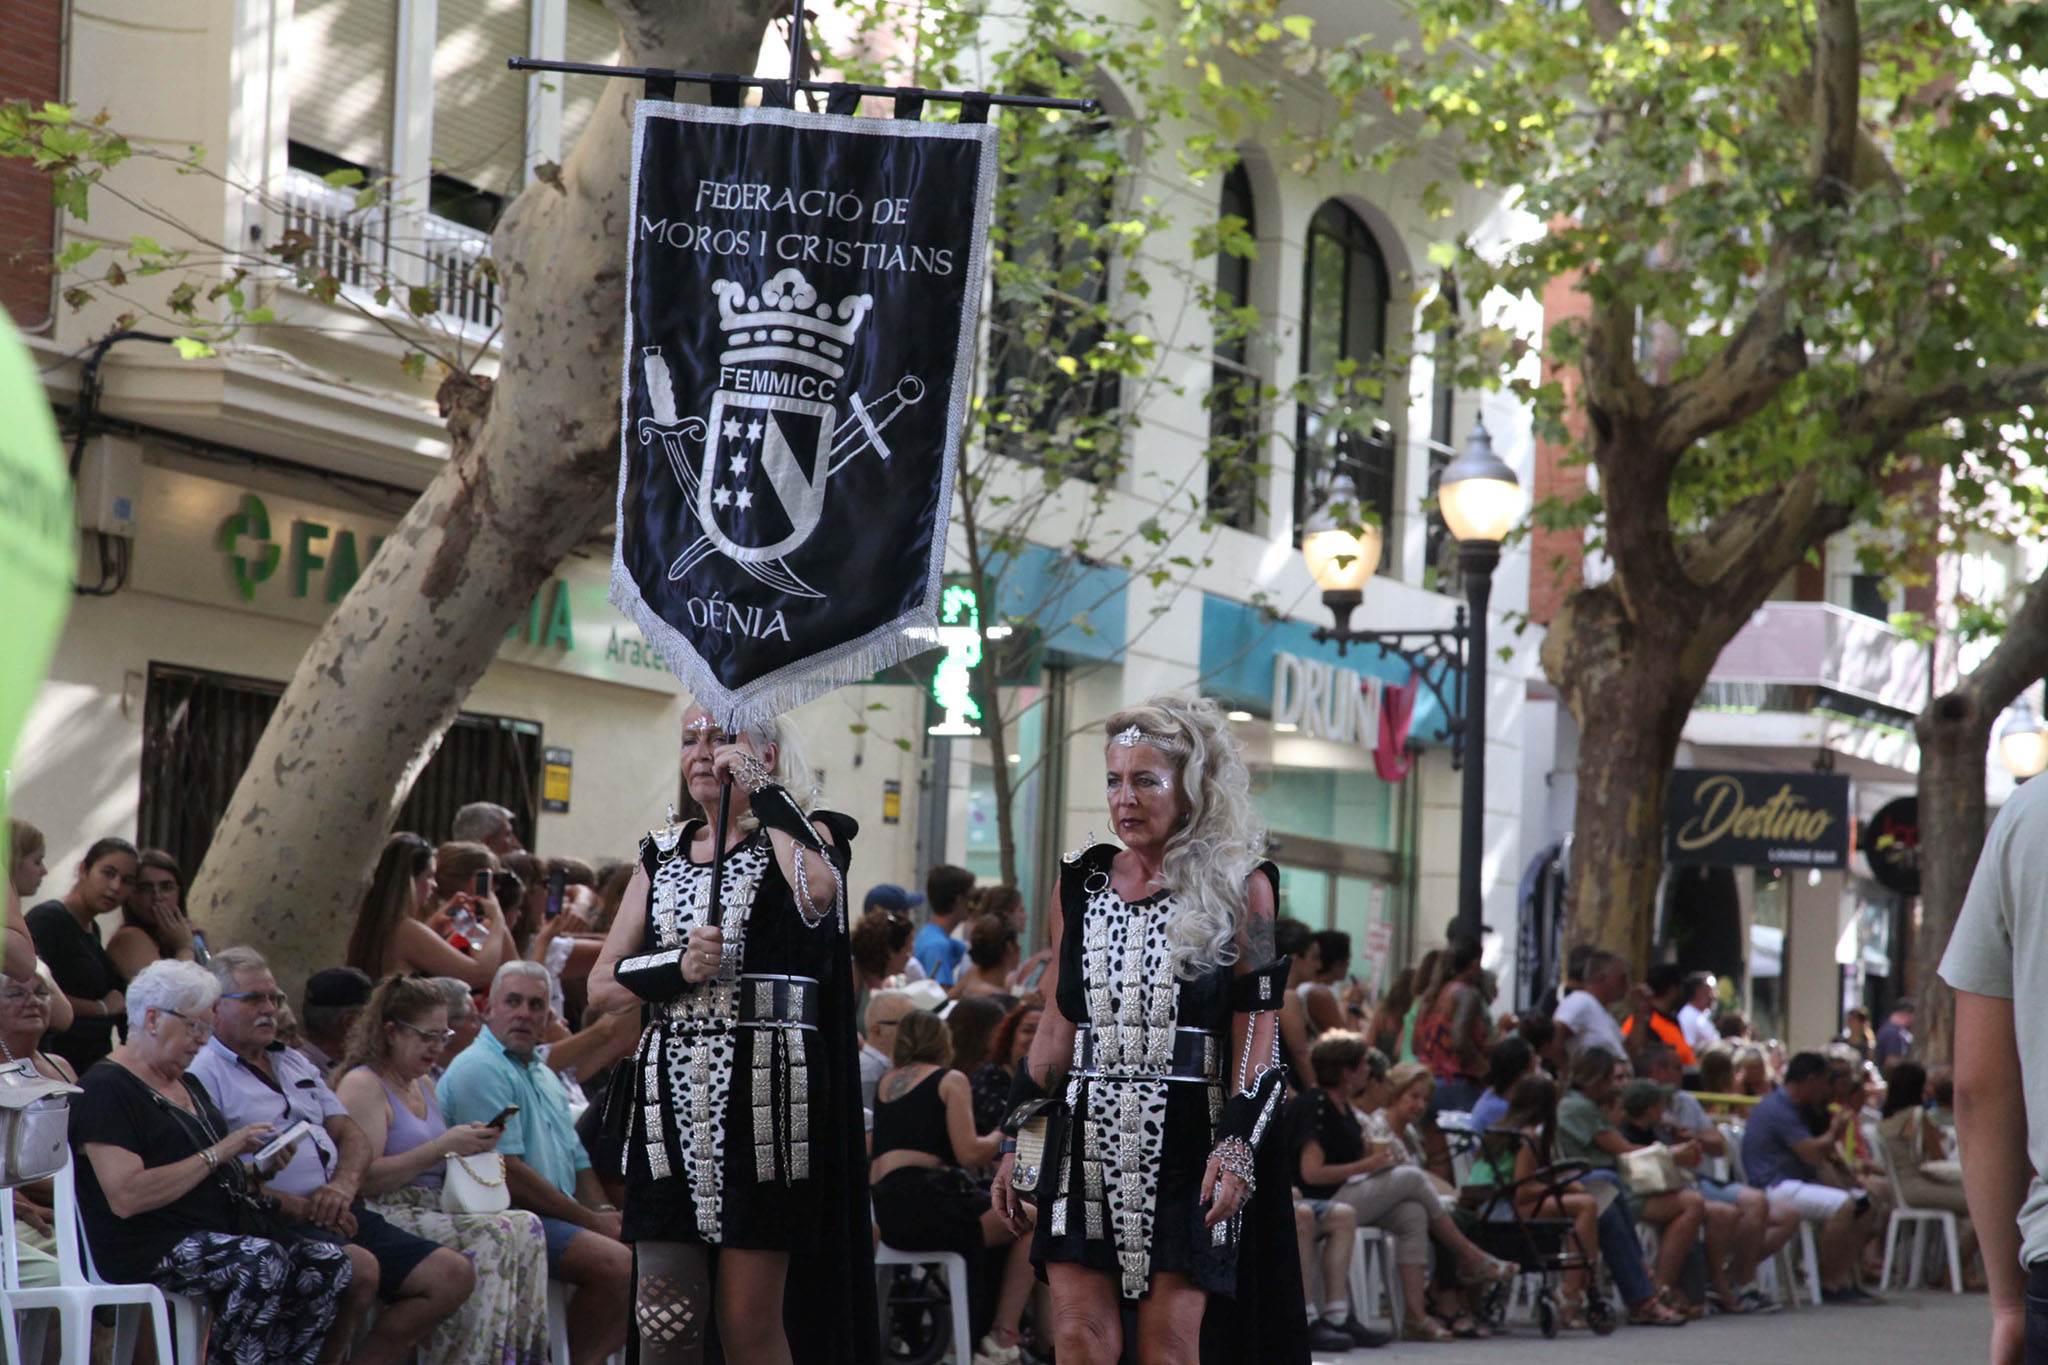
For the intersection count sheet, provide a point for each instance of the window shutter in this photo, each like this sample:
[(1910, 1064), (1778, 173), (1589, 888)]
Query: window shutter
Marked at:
[(344, 64), (592, 36), (479, 105)]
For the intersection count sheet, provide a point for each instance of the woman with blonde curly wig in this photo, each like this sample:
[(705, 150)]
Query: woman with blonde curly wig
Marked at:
[(1160, 1044)]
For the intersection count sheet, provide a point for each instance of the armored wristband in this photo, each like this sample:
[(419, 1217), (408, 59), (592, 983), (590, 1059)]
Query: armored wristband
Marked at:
[(776, 809), (655, 977), (1023, 1091)]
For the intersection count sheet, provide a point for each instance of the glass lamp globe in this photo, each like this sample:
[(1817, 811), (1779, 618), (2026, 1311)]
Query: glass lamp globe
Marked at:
[(1340, 556), (1478, 494), (2023, 743)]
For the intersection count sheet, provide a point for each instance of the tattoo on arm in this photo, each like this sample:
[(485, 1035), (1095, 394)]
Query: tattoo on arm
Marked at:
[(1258, 936)]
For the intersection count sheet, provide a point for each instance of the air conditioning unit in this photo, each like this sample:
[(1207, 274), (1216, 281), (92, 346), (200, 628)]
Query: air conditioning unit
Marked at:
[(110, 485)]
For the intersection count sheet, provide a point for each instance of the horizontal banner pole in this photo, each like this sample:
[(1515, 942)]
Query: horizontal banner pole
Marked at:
[(911, 92)]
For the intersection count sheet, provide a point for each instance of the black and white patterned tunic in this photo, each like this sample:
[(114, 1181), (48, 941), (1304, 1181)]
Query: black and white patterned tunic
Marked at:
[(729, 1076), (1151, 1056)]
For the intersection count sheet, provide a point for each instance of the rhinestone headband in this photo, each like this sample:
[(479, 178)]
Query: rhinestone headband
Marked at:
[(1131, 737)]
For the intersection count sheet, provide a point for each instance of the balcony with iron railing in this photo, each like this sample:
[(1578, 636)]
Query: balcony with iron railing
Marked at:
[(368, 247)]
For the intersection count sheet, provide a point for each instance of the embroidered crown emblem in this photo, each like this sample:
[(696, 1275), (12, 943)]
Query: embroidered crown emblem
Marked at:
[(786, 322)]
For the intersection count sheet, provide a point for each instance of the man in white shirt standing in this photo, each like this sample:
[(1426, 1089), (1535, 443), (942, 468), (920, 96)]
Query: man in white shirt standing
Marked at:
[(1583, 1014), (1696, 1017)]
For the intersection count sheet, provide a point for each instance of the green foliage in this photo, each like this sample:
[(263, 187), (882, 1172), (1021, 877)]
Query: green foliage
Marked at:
[(1670, 152)]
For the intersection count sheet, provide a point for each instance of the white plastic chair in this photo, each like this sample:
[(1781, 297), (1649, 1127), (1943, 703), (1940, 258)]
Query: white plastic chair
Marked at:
[(79, 1290), (1375, 1245), (1919, 1218), (955, 1267)]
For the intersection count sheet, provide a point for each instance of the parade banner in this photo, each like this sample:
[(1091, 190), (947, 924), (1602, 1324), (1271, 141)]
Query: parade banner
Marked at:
[(802, 294)]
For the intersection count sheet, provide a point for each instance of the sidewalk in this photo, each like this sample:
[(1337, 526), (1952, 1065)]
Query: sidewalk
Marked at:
[(1922, 1326)]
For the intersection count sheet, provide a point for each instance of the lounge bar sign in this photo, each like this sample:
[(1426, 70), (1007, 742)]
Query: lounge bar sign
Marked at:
[(1757, 819)]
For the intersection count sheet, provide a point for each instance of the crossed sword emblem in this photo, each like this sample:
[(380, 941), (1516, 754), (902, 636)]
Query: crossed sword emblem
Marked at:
[(864, 433)]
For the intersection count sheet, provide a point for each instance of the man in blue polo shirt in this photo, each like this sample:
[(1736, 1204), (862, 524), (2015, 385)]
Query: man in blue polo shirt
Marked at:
[(256, 1079), (1786, 1142), (545, 1164)]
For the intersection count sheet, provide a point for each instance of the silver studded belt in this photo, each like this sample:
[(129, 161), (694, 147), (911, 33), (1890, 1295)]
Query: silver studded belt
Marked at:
[(1195, 1058)]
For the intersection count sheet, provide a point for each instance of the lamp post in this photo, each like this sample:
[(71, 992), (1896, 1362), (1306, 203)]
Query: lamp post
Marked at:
[(1480, 500), (2023, 742)]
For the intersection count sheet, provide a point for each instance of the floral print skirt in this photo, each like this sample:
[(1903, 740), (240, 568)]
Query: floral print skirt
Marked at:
[(505, 1321)]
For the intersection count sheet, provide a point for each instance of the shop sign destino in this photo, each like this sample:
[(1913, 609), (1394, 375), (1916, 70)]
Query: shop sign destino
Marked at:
[(1326, 702), (1757, 819)]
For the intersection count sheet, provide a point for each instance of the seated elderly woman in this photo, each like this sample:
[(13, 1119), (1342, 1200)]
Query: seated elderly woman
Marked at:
[(167, 1201)]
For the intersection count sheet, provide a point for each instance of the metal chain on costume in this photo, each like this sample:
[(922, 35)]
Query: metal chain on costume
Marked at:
[(803, 888), (1234, 1157)]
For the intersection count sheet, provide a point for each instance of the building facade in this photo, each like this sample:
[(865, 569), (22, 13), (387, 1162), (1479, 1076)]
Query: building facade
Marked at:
[(232, 500)]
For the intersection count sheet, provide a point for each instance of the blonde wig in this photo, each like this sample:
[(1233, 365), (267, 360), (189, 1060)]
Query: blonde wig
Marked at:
[(1215, 849), (792, 765)]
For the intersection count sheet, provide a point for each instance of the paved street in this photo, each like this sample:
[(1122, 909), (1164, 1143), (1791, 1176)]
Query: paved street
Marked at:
[(1912, 1327)]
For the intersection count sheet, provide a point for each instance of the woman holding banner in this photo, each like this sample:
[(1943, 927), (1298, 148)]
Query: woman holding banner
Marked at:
[(743, 1132), (1163, 992)]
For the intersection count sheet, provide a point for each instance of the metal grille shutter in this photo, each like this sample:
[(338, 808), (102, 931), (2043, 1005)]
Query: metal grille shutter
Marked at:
[(344, 65), (479, 106), (199, 730), (592, 36)]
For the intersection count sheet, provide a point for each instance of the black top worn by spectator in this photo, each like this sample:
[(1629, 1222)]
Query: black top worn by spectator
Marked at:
[(915, 1121), (991, 1085), (81, 967), (1314, 1117), (118, 1109)]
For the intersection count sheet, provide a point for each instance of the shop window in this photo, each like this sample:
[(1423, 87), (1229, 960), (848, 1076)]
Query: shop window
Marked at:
[(1344, 325), (1234, 446), (200, 729)]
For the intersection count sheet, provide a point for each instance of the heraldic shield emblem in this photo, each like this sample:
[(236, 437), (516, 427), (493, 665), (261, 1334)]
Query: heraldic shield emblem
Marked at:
[(802, 295)]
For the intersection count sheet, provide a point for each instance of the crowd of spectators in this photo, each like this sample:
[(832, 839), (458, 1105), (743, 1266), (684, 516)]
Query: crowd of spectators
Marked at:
[(456, 1026), (1695, 1151)]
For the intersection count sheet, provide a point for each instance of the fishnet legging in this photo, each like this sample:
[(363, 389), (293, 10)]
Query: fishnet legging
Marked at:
[(672, 1302)]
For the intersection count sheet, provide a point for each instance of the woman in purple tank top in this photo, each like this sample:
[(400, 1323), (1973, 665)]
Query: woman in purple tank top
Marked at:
[(388, 1091)]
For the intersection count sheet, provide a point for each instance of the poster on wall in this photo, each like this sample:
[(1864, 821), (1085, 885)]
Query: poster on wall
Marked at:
[(802, 296)]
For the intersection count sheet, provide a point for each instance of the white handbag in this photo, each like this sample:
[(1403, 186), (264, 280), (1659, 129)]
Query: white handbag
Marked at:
[(35, 1117), (475, 1184)]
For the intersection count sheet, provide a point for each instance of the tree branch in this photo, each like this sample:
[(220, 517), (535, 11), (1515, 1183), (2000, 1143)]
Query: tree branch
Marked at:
[(2020, 659), (1747, 373)]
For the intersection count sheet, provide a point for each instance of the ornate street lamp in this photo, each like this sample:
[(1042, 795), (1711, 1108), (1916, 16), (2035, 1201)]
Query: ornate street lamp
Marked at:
[(1481, 502), (2023, 742)]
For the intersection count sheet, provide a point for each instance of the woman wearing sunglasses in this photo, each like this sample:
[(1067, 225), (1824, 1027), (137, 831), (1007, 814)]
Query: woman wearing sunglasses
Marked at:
[(386, 1086)]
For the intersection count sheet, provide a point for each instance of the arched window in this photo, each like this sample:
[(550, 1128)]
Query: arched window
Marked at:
[(1051, 282), (1234, 446), (1343, 318)]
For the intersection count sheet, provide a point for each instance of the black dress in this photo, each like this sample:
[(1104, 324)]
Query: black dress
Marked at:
[(744, 1123), (1151, 1067), (81, 967)]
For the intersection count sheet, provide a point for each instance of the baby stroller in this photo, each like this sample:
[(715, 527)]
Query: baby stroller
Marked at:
[(1546, 1247)]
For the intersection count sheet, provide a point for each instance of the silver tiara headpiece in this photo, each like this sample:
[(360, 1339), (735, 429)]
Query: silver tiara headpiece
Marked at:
[(1130, 737)]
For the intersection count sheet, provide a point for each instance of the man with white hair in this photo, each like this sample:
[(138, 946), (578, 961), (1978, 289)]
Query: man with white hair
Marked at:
[(886, 1009), (545, 1164), (254, 1078), (489, 824)]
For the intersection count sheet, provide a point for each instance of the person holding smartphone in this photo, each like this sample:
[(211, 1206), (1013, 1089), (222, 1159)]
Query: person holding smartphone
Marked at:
[(743, 1136), (387, 1085)]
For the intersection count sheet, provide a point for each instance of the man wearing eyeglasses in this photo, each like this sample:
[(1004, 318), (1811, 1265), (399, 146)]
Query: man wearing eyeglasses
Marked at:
[(254, 1078), (885, 1011)]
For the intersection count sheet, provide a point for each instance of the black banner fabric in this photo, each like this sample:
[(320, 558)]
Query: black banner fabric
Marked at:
[(1757, 819), (802, 294)]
